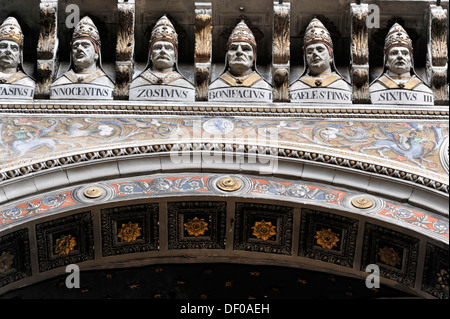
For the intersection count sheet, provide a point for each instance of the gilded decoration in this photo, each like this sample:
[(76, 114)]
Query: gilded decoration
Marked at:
[(65, 240), (443, 279), (196, 227), (362, 202), (264, 230), (130, 229), (436, 271), (229, 184), (15, 262), (395, 253), (327, 238), (64, 245), (196, 224), (93, 192), (389, 256), (130, 232), (6, 261)]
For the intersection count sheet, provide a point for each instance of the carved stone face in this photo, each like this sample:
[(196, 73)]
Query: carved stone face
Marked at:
[(399, 60), (9, 54), (162, 55), (83, 54), (318, 58), (240, 57)]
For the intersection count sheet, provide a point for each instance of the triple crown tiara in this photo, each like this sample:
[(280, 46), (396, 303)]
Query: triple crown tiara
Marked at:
[(10, 30), (164, 31)]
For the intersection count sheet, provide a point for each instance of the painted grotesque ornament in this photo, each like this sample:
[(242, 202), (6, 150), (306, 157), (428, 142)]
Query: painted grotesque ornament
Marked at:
[(399, 83), (15, 83), (240, 80), (320, 81), (85, 78), (161, 80)]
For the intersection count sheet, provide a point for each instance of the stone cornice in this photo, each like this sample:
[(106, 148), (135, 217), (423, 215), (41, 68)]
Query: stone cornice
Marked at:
[(221, 109)]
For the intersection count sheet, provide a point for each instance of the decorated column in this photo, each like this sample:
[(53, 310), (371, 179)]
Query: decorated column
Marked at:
[(203, 49), (437, 55), (47, 60), (359, 53), (281, 51), (124, 48)]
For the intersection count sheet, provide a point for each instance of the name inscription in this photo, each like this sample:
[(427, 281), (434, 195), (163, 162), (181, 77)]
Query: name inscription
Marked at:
[(81, 92), (162, 93), (239, 94), (324, 95), (12, 91), (393, 96)]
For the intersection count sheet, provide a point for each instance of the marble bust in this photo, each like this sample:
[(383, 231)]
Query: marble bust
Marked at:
[(85, 78), (240, 81), (161, 80), (14, 82), (399, 84), (320, 80)]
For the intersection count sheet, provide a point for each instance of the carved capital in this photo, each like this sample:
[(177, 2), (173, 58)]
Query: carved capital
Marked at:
[(281, 51), (124, 48), (47, 60), (360, 53), (203, 49)]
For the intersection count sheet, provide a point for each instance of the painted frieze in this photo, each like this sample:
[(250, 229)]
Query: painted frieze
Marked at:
[(414, 146), (419, 220)]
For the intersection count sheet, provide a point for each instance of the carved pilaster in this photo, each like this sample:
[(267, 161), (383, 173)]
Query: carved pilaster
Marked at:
[(124, 48), (437, 55), (281, 51), (47, 48), (203, 49), (359, 61)]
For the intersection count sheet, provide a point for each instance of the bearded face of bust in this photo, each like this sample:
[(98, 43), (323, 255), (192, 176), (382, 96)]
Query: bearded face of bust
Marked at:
[(162, 56)]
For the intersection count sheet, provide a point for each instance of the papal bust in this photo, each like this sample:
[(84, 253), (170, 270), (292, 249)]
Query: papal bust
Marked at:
[(320, 80), (240, 71), (399, 84), (161, 79), (85, 78), (14, 82)]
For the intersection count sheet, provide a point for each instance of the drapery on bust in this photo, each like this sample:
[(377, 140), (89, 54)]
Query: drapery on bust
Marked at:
[(320, 71), (85, 67), (398, 72), (240, 69), (11, 56), (162, 66)]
